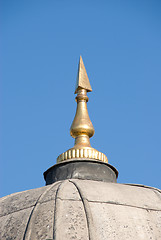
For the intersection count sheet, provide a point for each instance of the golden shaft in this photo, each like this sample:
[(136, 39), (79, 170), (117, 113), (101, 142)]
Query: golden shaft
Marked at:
[(82, 128)]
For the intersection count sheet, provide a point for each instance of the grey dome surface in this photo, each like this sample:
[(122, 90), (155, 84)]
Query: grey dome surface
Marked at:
[(82, 209)]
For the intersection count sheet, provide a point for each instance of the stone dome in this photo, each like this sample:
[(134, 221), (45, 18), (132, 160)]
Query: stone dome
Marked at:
[(82, 209)]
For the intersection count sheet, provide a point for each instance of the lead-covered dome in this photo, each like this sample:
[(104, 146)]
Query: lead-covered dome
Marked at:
[(82, 209)]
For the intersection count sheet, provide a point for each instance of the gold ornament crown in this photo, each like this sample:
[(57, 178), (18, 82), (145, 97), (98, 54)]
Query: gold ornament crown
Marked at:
[(82, 128)]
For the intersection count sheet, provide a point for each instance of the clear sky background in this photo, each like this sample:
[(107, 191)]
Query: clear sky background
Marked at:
[(120, 43)]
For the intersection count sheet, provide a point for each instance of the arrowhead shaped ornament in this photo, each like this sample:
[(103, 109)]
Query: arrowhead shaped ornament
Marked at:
[(82, 78)]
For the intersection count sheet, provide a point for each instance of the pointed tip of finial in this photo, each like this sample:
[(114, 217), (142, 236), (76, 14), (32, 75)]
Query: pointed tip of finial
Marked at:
[(82, 77)]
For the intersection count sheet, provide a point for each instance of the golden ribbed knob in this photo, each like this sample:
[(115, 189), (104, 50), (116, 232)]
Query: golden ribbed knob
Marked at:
[(82, 128)]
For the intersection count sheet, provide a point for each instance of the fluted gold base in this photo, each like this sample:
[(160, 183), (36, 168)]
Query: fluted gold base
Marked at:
[(82, 153)]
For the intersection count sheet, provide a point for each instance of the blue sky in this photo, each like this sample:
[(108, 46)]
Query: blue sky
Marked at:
[(120, 43)]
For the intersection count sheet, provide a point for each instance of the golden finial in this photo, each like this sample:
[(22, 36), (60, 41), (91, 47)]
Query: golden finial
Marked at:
[(82, 128)]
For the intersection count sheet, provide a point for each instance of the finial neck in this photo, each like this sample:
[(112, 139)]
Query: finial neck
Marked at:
[(81, 95), (82, 141)]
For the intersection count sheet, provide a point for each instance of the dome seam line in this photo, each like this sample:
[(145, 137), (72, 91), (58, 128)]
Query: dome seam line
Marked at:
[(91, 234), (107, 202), (33, 209), (125, 205), (55, 210)]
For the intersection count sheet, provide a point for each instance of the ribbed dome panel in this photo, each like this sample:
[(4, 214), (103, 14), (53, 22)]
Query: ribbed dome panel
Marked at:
[(82, 209)]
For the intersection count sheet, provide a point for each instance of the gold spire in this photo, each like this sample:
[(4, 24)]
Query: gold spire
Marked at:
[(82, 78), (82, 128)]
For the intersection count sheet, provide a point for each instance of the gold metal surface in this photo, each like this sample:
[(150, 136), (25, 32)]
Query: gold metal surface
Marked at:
[(86, 153), (82, 78), (82, 128)]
